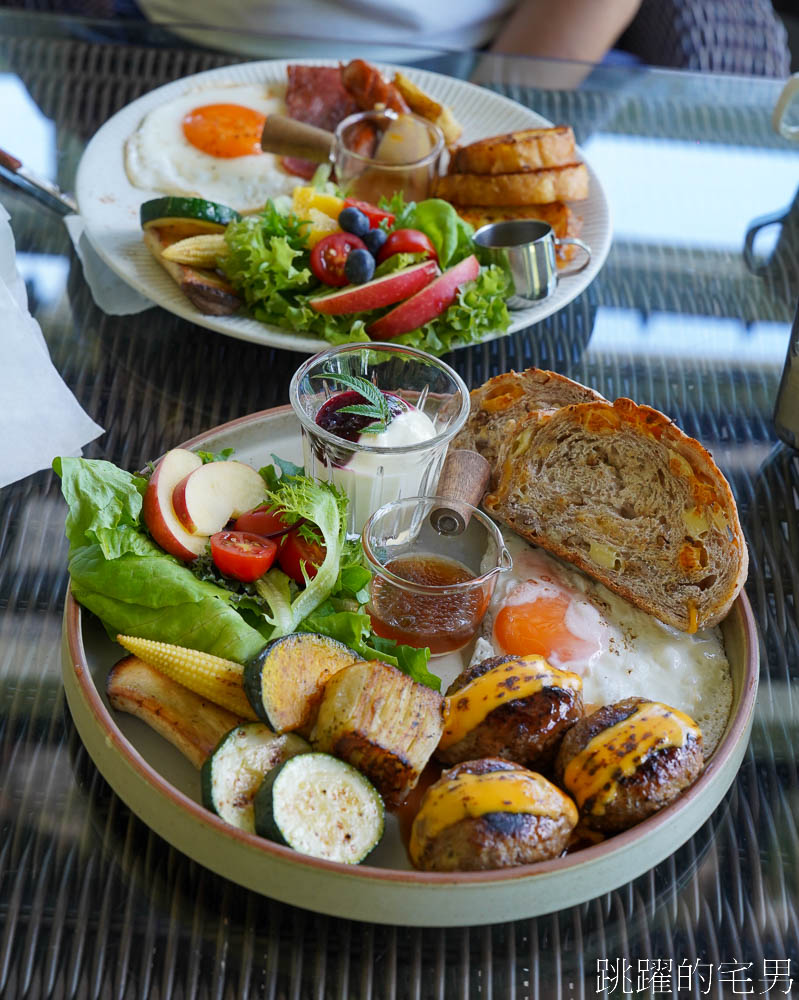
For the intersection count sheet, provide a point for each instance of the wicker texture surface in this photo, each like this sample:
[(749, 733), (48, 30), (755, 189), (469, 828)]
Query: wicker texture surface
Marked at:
[(93, 905)]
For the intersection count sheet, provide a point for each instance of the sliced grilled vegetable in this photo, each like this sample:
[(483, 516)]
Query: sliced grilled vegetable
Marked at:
[(320, 806), (284, 682), (197, 251), (211, 677), (186, 216), (191, 723), (382, 722), (204, 288), (235, 770)]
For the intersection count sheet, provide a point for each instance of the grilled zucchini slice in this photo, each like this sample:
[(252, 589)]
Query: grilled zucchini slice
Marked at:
[(284, 682), (233, 773), (186, 216), (320, 806)]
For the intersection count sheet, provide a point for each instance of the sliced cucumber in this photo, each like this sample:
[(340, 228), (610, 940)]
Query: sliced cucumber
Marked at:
[(320, 806), (233, 773), (197, 214), (285, 681)]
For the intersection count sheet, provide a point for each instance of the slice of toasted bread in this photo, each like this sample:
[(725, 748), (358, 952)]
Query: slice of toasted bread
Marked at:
[(621, 492), (529, 149), (564, 221), (525, 187), (504, 401), (422, 104)]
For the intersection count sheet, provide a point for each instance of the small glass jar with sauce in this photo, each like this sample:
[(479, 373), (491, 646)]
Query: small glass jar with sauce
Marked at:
[(430, 588), (379, 153), (431, 403)]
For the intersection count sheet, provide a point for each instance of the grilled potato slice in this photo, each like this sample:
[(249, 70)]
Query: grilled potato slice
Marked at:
[(422, 104), (191, 723), (382, 722), (528, 149)]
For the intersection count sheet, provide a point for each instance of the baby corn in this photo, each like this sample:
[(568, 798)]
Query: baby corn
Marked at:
[(211, 677), (197, 251)]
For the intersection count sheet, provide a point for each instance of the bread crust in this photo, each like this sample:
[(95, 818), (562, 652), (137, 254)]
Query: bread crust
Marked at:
[(504, 401), (622, 493), (527, 149), (568, 182)]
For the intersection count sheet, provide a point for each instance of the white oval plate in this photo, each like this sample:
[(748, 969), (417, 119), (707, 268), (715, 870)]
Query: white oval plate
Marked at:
[(163, 789), (109, 203)]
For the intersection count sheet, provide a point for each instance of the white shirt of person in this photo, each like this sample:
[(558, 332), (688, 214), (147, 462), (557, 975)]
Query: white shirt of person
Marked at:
[(388, 29)]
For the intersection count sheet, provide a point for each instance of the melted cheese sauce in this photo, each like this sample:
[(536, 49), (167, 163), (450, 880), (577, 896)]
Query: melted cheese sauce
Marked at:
[(615, 753)]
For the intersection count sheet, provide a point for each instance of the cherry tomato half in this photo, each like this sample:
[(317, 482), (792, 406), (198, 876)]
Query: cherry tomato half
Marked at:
[(242, 555), (296, 550), (261, 521), (407, 241), (329, 256), (374, 214)]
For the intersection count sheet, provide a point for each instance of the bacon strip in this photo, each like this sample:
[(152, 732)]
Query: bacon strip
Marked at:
[(315, 95)]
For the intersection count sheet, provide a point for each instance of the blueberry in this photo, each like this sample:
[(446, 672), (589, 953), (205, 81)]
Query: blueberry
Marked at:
[(374, 240), (352, 220), (360, 266)]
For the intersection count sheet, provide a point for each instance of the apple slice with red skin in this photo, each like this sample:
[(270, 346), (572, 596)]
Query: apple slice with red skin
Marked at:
[(157, 510), (207, 498), (425, 305), (378, 292)]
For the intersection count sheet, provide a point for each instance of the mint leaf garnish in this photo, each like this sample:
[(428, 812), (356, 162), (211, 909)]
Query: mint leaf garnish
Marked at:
[(376, 407)]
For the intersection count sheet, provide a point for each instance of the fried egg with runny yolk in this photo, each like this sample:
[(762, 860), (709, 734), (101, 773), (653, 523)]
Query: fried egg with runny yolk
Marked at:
[(546, 607), (207, 143)]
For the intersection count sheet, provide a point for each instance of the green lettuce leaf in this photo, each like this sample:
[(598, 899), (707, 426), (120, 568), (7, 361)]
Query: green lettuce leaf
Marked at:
[(131, 584), (156, 597), (104, 505)]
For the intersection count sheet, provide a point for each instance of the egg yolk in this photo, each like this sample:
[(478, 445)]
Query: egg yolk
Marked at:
[(225, 130), (539, 626)]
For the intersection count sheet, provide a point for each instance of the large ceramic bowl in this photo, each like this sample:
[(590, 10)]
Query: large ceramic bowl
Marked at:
[(162, 788)]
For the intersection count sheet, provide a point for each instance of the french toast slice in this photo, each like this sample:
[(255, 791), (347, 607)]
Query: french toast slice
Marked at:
[(619, 491), (504, 401), (568, 182), (564, 221), (527, 149)]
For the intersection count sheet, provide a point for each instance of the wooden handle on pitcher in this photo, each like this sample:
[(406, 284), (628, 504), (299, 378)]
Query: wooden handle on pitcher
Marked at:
[(286, 137), (463, 480)]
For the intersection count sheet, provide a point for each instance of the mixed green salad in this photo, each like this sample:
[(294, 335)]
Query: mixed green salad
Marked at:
[(136, 588), (269, 265)]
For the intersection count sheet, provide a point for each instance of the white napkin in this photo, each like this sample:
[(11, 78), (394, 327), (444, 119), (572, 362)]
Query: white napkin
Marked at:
[(39, 417), (109, 291)]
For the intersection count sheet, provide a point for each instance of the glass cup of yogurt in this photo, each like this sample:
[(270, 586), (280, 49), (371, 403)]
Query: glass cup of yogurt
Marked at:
[(375, 459)]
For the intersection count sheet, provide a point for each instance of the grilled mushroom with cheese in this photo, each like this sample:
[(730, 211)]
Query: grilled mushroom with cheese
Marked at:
[(627, 761), (490, 813), (515, 707)]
